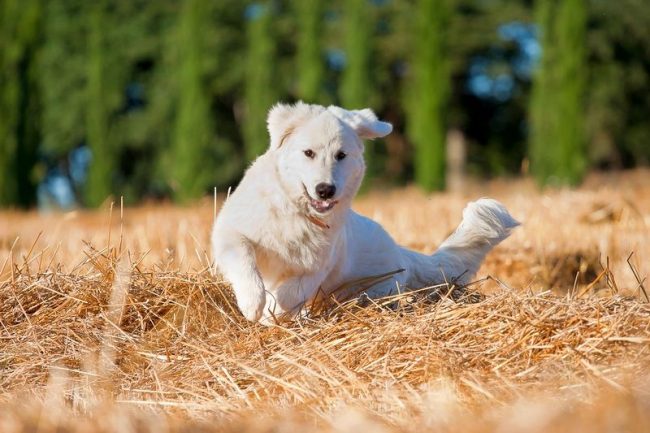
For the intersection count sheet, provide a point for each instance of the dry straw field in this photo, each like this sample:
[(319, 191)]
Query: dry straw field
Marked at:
[(111, 321)]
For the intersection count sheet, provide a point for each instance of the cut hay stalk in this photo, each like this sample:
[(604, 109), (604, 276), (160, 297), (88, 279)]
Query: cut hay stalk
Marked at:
[(125, 337), (636, 276)]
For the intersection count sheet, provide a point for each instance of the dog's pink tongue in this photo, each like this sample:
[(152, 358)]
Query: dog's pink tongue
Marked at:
[(322, 205)]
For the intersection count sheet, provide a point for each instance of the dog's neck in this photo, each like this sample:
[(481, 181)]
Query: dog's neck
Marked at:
[(319, 222)]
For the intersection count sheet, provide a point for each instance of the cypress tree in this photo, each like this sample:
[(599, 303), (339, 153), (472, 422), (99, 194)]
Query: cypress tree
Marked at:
[(309, 59), (193, 129), (100, 173), (356, 83), (428, 93), (9, 51), (20, 24), (63, 70), (260, 86), (557, 143)]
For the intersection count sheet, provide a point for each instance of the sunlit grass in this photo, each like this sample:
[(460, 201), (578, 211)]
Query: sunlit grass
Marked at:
[(113, 321)]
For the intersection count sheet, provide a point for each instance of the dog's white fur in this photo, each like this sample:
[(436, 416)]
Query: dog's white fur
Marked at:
[(280, 247)]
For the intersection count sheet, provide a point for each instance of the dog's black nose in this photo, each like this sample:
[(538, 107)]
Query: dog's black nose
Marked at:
[(325, 190)]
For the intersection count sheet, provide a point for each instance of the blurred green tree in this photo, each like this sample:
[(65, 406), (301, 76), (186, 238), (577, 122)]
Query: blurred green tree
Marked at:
[(357, 27), (618, 106), (193, 127), (57, 93), (62, 75), (81, 75), (103, 164), (356, 85), (20, 39), (557, 142), (260, 86), (428, 92), (309, 56)]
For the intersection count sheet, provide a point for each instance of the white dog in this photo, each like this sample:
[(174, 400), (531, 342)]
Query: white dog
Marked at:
[(287, 233)]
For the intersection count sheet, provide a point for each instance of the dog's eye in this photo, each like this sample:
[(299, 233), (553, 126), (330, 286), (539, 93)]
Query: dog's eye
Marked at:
[(340, 155), (309, 153)]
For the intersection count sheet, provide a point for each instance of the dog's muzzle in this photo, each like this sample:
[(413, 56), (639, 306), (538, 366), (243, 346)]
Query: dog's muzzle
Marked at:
[(319, 205)]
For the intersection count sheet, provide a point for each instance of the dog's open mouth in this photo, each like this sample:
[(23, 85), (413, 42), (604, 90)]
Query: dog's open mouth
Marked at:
[(322, 206)]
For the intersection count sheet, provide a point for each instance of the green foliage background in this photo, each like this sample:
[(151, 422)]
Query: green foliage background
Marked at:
[(557, 105), (427, 97), (204, 75)]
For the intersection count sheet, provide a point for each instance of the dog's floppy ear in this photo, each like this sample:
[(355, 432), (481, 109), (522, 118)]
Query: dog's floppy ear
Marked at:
[(283, 119), (363, 122)]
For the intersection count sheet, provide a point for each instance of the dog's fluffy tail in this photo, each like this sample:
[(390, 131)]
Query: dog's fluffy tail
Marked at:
[(485, 223)]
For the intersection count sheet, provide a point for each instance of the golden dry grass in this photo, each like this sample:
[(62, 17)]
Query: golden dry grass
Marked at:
[(114, 323)]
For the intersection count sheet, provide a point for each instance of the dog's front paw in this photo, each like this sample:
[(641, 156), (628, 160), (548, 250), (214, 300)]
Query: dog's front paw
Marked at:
[(251, 304)]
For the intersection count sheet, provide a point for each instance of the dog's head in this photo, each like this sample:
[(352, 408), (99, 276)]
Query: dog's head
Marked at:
[(320, 152)]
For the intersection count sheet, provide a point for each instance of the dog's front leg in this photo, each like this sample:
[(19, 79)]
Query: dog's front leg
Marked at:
[(235, 257), (287, 299)]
